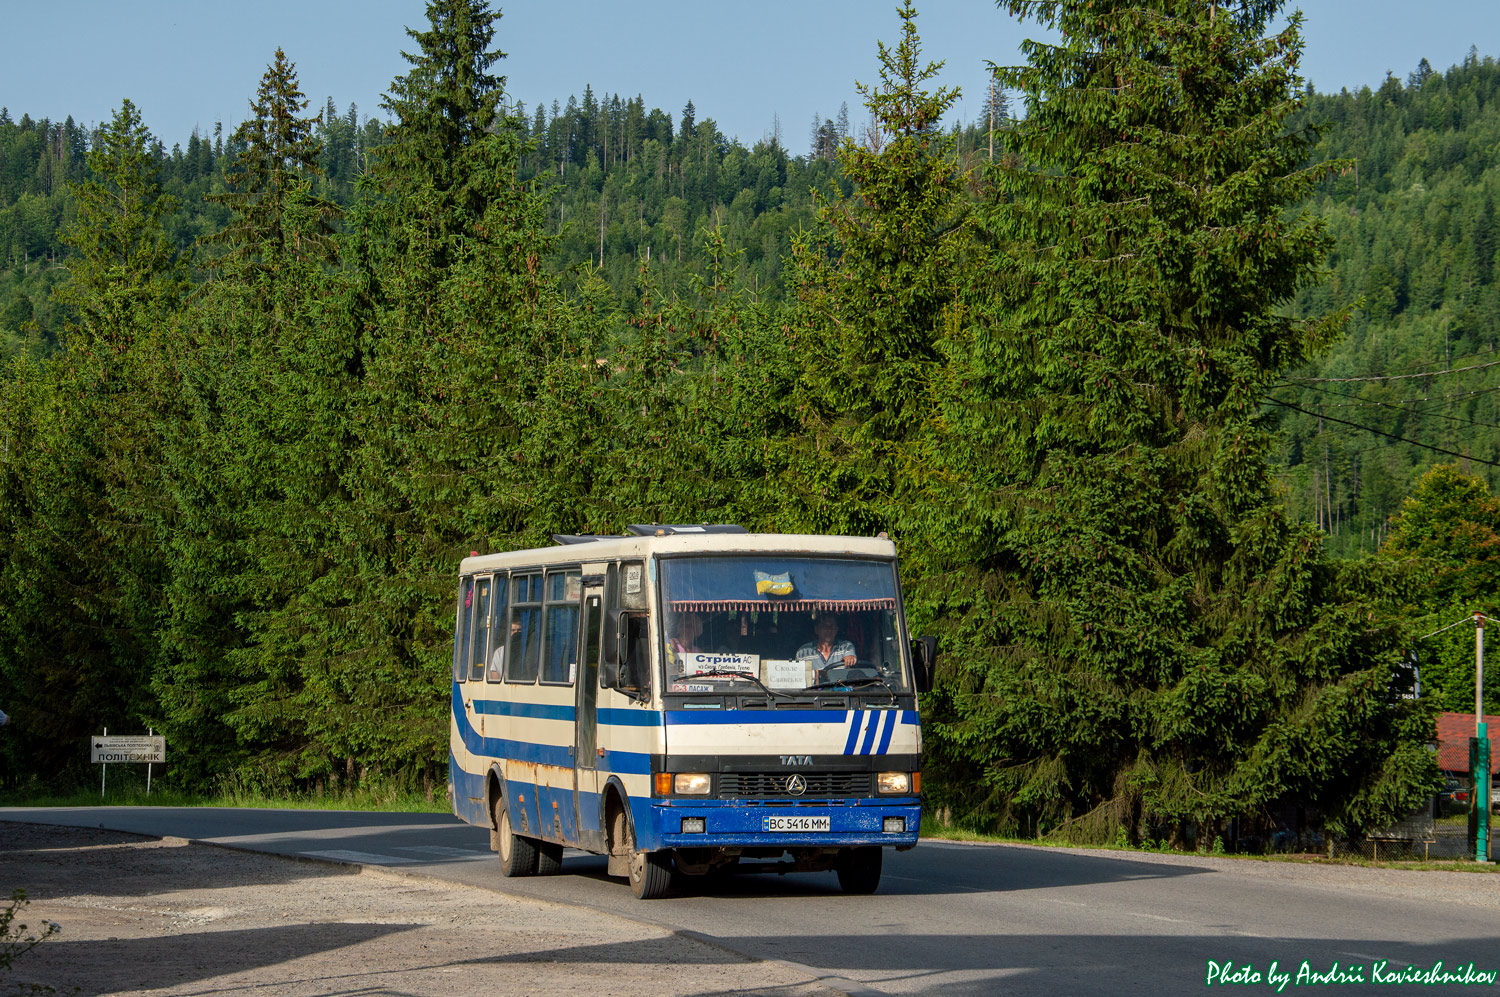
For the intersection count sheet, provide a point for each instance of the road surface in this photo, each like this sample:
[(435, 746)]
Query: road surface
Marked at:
[(949, 918)]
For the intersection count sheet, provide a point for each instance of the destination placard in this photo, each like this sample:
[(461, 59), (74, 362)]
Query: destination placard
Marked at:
[(698, 663), (128, 748)]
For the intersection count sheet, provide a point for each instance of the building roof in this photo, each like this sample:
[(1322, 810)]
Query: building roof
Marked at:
[(1453, 733)]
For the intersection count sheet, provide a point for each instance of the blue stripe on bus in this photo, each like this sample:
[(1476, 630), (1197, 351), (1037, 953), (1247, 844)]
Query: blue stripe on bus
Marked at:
[(532, 711), (855, 718), (871, 729), (560, 755), (625, 762), (690, 717), (615, 717), (886, 732)]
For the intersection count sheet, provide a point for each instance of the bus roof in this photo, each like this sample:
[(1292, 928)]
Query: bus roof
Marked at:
[(606, 549)]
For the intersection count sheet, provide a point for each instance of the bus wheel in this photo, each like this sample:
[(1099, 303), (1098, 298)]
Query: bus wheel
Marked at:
[(548, 858), (517, 854), (650, 872), (859, 869)]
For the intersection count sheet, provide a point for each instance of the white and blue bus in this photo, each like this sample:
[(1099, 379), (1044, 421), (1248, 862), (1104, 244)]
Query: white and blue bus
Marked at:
[(686, 697)]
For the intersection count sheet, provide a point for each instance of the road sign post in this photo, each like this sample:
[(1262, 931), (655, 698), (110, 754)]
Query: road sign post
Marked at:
[(148, 749)]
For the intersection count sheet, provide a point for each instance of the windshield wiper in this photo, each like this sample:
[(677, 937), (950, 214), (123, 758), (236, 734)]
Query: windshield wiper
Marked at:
[(735, 674), (854, 684)]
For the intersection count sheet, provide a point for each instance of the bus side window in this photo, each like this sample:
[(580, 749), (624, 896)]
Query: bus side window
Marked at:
[(461, 629), (498, 608), (561, 626), (481, 629), (524, 653)]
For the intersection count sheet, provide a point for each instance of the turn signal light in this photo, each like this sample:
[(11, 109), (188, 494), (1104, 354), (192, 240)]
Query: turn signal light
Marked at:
[(916, 782), (663, 783)]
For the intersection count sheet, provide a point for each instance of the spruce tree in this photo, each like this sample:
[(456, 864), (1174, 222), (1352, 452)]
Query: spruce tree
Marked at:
[(274, 211), (80, 572), (873, 289), (1140, 637), (254, 461), (437, 330)]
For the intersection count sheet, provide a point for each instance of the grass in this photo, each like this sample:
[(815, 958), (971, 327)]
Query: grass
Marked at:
[(129, 790)]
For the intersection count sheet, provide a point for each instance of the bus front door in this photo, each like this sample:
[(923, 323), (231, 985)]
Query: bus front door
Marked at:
[(586, 727)]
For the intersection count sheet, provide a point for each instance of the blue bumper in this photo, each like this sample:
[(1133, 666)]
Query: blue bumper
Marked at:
[(731, 824)]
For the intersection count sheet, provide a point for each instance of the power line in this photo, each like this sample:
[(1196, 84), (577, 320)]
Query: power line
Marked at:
[(1380, 432), (1446, 360), (1400, 408), (1466, 619), (1393, 377), (1472, 393)]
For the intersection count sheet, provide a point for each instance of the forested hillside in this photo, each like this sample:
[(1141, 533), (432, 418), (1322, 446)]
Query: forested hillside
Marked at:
[(1414, 258), (622, 185), (287, 377)]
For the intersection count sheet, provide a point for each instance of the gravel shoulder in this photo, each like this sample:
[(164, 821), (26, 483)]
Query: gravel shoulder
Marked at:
[(146, 917)]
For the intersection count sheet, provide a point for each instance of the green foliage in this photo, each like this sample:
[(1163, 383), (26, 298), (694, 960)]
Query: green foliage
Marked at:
[(1447, 538), (16, 939)]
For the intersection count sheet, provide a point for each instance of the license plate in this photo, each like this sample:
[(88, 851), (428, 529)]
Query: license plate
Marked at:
[(796, 824)]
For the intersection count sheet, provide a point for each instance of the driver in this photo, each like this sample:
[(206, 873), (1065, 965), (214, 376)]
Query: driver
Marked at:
[(825, 650)]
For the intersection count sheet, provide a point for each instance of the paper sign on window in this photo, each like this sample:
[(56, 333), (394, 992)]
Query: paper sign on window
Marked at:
[(784, 674)]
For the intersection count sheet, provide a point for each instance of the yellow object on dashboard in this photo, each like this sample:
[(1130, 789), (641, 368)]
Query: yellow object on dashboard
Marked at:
[(769, 584)]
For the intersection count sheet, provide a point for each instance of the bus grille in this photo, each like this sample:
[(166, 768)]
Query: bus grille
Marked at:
[(766, 785)]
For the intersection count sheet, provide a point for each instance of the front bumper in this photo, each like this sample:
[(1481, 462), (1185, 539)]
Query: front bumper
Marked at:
[(731, 823)]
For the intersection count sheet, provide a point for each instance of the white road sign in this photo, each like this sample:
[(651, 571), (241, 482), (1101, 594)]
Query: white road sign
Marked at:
[(128, 748)]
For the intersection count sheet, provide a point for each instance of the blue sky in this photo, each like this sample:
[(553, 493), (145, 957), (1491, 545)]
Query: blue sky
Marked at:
[(192, 63)]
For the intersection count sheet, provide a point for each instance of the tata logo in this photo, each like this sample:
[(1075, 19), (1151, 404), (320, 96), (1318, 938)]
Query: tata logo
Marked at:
[(796, 759), (796, 785)]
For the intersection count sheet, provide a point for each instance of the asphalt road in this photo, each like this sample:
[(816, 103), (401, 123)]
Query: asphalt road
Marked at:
[(949, 918)]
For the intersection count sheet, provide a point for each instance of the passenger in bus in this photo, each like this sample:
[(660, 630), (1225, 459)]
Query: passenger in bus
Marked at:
[(825, 650), (686, 629)]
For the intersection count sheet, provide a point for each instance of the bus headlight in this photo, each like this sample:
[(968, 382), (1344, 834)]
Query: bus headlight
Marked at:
[(893, 782), (690, 784)]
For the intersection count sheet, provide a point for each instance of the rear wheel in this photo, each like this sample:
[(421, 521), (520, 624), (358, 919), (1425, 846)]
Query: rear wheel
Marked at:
[(650, 872), (517, 854), (548, 858), (859, 869)]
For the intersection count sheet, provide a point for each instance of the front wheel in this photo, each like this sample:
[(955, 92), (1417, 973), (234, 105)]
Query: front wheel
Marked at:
[(859, 869), (517, 854), (650, 872)]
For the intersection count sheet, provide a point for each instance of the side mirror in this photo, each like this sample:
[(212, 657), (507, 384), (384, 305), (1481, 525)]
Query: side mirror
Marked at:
[(625, 653), (924, 651)]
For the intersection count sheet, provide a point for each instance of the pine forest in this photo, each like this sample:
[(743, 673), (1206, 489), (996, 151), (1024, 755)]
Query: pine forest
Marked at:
[(1174, 379)]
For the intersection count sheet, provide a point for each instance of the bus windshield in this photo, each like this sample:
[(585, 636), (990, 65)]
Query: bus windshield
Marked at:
[(794, 624)]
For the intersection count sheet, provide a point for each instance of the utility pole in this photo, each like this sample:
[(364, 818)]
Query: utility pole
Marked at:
[(1481, 753)]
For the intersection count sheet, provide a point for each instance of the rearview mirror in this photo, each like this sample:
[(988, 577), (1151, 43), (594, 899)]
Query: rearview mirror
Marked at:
[(924, 651)]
